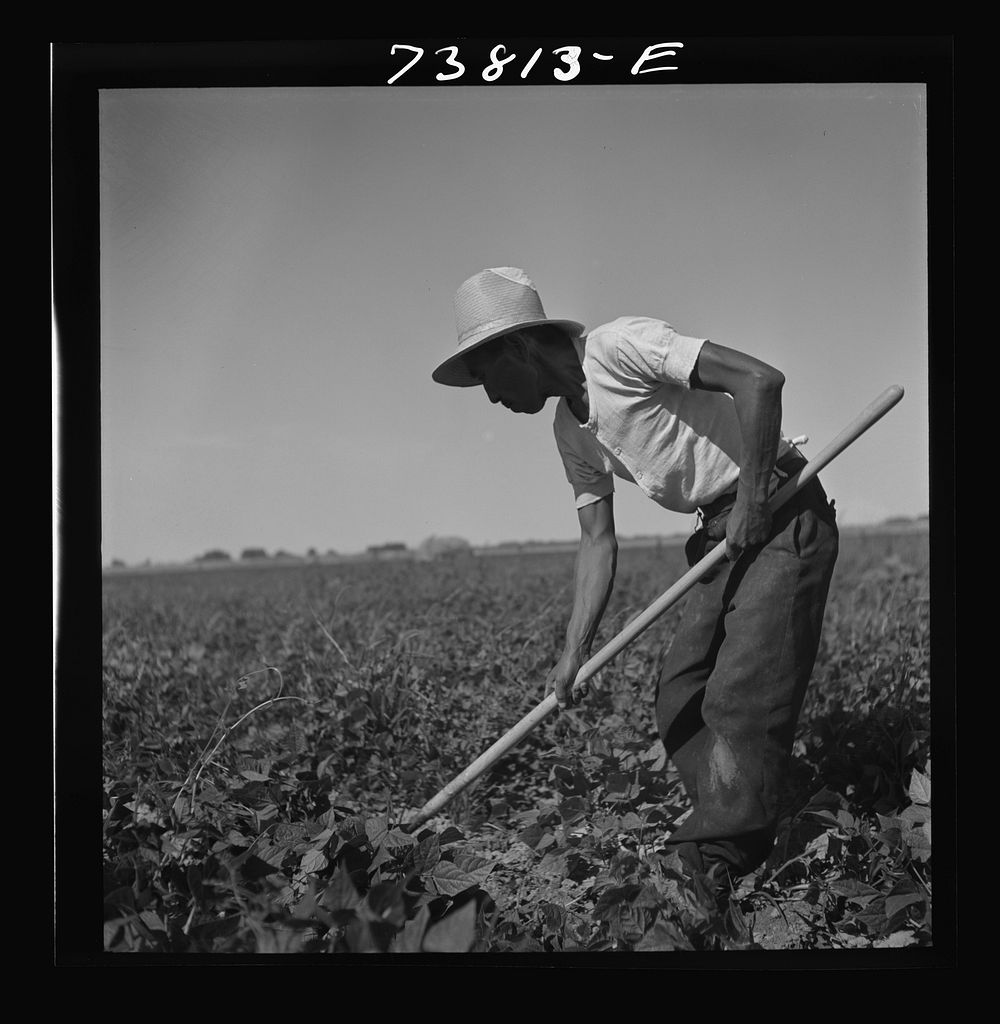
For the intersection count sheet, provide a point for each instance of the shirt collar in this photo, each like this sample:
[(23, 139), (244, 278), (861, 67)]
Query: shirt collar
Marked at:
[(580, 344)]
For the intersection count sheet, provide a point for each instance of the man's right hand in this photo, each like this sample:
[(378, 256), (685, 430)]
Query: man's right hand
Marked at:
[(594, 577), (561, 678)]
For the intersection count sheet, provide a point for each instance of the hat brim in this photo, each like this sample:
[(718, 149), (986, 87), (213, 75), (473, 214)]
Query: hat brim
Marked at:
[(453, 370)]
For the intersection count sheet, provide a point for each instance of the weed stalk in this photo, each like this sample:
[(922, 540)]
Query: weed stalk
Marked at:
[(203, 760)]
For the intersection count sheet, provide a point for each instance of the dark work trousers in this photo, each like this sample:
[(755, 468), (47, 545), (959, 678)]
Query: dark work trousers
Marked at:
[(732, 683)]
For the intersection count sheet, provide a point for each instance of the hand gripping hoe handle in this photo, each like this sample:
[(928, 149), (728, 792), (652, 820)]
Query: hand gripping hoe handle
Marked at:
[(871, 415)]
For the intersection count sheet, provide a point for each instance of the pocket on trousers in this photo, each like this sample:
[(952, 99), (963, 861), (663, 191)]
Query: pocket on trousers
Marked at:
[(812, 531), (696, 547), (823, 506), (804, 532)]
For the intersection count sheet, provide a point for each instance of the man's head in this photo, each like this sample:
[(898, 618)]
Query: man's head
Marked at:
[(497, 309), (520, 369)]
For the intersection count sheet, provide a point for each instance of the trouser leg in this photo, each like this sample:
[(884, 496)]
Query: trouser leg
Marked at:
[(751, 676), (684, 674)]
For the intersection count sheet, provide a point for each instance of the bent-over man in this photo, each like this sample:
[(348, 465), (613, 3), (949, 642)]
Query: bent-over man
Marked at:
[(697, 426)]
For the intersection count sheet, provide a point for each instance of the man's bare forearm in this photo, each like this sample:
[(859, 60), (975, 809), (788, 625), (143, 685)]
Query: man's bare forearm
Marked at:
[(755, 388), (758, 408), (596, 562)]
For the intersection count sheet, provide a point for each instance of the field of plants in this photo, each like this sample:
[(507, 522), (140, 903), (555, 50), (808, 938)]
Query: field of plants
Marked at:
[(268, 732)]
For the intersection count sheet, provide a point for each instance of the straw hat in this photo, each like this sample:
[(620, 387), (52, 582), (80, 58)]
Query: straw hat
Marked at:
[(493, 302)]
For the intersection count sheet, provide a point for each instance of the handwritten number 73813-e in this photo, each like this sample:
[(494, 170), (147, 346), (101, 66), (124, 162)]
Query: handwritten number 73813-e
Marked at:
[(569, 57)]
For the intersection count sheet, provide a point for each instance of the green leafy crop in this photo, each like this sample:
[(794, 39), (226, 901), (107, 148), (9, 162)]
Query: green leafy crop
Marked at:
[(268, 732)]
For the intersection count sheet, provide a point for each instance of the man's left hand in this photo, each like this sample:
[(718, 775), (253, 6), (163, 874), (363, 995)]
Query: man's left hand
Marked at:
[(562, 680), (748, 525)]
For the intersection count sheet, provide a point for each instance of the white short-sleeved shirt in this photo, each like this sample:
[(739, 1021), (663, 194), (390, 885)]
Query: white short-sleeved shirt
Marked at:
[(647, 424)]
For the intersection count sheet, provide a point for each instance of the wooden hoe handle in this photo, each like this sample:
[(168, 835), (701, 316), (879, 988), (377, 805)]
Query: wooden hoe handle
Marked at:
[(871, 415)]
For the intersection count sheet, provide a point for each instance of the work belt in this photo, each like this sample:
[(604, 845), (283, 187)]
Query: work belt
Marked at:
[(789, 464), (713, 515)]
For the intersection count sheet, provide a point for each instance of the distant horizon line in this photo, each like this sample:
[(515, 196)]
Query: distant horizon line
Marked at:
[(261, 555)]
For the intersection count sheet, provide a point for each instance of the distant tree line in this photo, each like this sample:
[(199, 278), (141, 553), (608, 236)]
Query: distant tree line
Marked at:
[(431, 548), (255, 555), (215, 555)]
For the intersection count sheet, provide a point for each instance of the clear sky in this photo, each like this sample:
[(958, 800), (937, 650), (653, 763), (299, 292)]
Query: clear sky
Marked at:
[(278, 267)]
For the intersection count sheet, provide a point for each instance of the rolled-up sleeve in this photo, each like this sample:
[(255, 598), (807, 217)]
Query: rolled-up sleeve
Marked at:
[(590, 483), (587, 492), (654, 351)]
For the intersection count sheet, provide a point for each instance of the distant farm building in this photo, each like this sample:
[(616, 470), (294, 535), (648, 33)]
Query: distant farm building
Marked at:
[(444, 547), (386, 552)]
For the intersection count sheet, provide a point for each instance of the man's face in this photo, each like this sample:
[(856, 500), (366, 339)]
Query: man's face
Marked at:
[(509, 375)]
